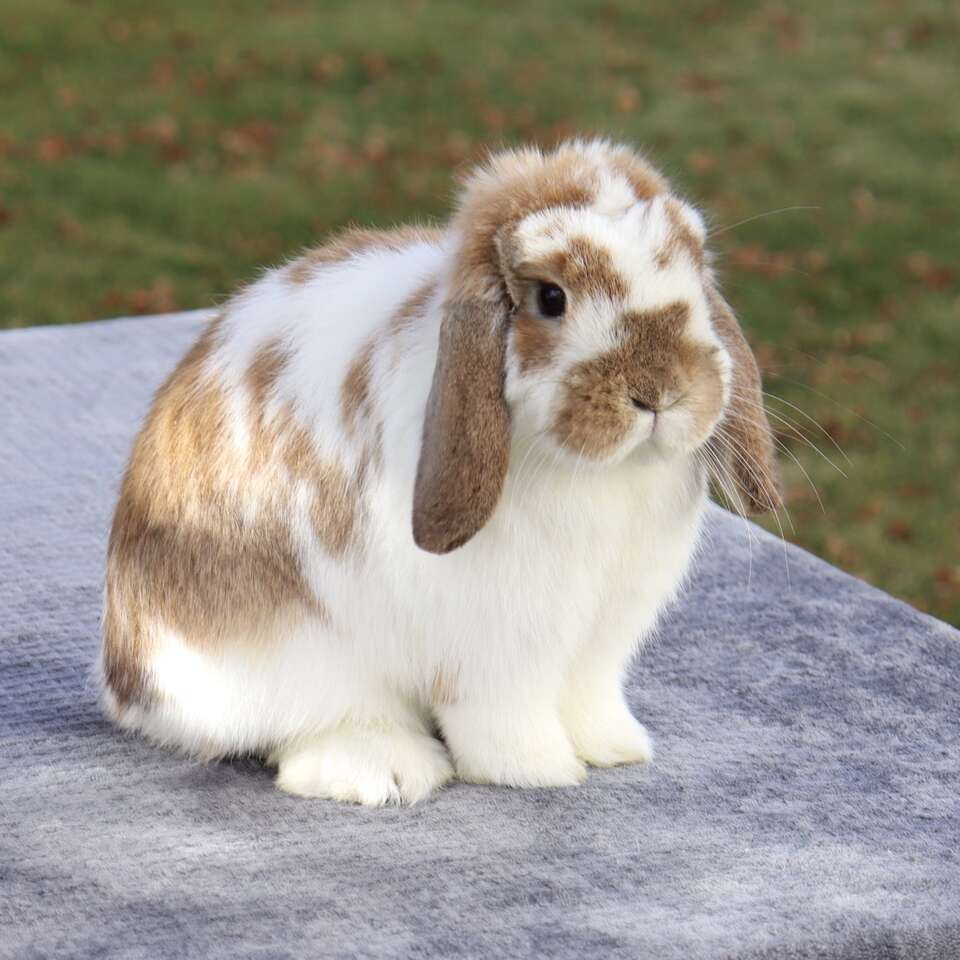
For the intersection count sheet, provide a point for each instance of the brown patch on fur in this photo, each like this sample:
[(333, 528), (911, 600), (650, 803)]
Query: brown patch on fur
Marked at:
[(336, 510), (411, 310), (680, 239), (654, 363), (182, 551), (535, 340), (354, 241), (586, 269), (645, 182), (355, 402), (754, 468), (515, 185), (444, 688)]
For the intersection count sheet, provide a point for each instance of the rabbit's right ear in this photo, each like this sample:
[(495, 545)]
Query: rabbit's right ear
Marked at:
[(465, 448), (746, 446)]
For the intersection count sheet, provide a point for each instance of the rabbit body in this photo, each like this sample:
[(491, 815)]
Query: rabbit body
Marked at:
[(265, 592)]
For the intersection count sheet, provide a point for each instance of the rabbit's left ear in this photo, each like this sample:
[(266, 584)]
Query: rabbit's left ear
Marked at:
[(465, 448), (745, 443)]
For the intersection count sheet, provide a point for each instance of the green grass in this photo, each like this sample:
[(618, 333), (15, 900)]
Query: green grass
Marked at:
[(153, 155)]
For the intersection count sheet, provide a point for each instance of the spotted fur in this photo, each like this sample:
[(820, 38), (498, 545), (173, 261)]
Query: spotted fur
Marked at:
[(359, 509)]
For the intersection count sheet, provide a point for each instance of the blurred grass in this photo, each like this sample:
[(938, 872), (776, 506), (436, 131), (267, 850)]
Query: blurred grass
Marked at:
[(154, 155)]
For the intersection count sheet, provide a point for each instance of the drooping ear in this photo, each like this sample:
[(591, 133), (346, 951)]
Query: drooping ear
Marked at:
[(746, 448), (465, 448)]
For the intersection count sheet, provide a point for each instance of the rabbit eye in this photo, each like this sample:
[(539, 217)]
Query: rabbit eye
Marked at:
[(551, 300)]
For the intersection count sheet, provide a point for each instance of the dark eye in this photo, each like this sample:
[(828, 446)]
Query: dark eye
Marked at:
[(551, 300)]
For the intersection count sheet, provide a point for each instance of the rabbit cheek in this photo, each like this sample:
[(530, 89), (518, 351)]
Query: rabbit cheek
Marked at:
[(535, 342), (705, 399), (594, 417)]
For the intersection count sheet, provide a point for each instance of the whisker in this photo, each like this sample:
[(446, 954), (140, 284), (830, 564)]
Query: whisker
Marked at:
[(731, 446), (717, 471), (758, 216), (815, 422), (837, 403), (740, 453), (799, 434)]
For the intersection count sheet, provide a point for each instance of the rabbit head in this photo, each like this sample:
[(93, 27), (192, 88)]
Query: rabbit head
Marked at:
[(581, 314)]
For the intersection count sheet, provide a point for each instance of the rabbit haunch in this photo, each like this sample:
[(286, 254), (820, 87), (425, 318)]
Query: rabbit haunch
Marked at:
[(359, 508)]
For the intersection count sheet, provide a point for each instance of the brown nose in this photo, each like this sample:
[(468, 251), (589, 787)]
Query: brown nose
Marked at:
[(642, 404)]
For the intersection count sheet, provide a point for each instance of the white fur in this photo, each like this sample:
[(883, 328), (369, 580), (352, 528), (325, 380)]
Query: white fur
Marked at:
[(530, 624)]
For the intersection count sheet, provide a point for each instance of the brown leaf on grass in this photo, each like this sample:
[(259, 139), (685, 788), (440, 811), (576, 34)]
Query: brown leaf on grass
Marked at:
[(157, 298), (375, 65), (457, 146), (864, 202), (51, 149), (626, 100), (375, 145), (915, 490), (493, 119), (934, 276), (5, 216), (163, 73), (701, 161), (755, 259), (899, 531), (249, 139), (161, 129), (815, 260), (838, 549), (706, 86), (327, 67), (870, 509), (837, 430), (948, 576), (70, 228)]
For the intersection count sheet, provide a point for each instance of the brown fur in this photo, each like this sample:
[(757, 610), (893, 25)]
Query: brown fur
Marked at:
[(354, 241), (180, 553), (355, 402), (654, 363), (465, 447), (535, 340), (183, 551), (586, 269), (443, 690), (410, 311), (583, 270), (644, 180), (497, 199), (754, 468), (337, 507), (466, 437), (680, 239)]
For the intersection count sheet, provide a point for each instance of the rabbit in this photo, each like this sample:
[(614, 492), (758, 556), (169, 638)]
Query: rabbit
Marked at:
[(413, 500)]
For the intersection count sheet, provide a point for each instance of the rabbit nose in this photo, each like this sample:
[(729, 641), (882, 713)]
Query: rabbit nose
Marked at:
[(641, 404)]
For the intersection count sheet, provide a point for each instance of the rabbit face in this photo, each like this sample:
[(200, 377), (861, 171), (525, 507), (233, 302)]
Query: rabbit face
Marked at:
[(611, 349), (580, 315)]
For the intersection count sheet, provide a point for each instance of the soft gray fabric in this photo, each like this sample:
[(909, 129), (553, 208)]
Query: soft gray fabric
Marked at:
[(804, 802)]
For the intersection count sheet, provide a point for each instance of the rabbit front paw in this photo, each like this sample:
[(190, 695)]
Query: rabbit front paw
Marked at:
[(490, 746), (370, 767), (608, 736)]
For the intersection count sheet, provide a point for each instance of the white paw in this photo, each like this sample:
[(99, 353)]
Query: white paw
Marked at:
[(516, 768), (489, 749), (372, 767), (610, 739)]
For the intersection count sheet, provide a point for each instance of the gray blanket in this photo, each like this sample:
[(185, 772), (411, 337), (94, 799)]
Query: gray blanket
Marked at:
[(804, 800)]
